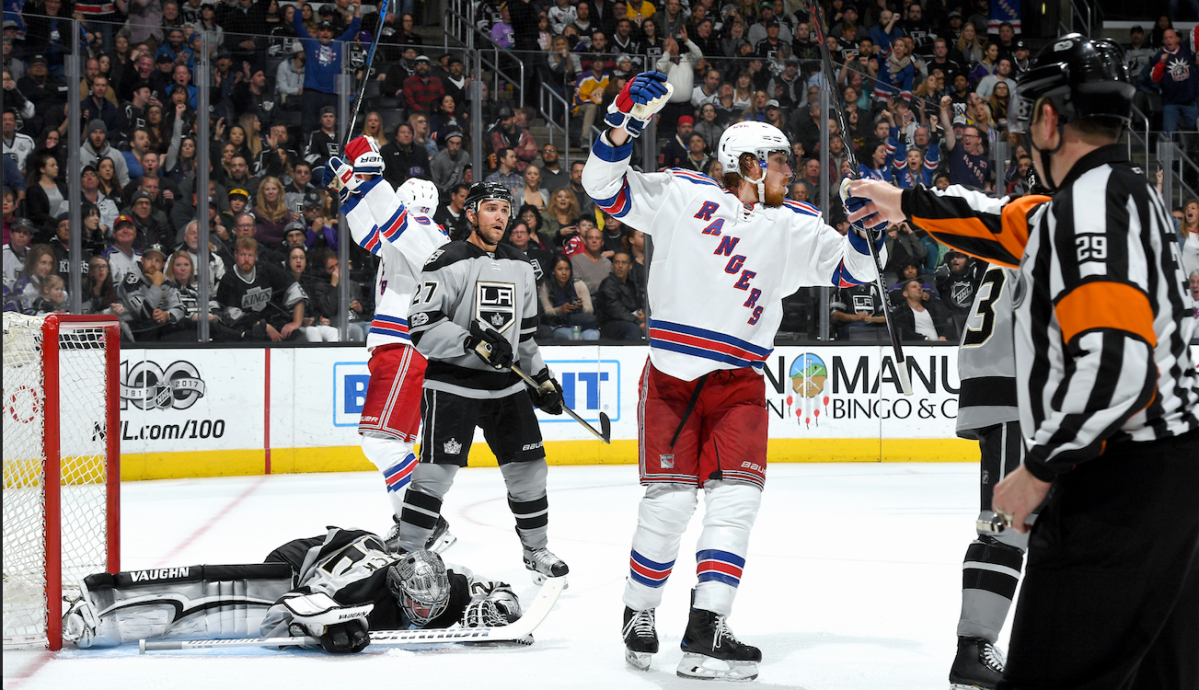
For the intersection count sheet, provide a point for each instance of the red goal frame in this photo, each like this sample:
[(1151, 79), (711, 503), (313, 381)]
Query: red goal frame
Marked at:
[(52, 327)]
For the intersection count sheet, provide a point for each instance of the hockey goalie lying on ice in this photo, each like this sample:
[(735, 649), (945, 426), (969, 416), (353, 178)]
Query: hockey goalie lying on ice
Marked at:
[(336, 588)]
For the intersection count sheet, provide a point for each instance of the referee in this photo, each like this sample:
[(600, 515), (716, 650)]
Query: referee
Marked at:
[(1107, 389)]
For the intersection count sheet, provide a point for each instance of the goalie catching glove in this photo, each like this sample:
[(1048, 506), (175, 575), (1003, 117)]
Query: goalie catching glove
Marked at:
[(341, 629), (638, 101), (548, 396), (490, 346)]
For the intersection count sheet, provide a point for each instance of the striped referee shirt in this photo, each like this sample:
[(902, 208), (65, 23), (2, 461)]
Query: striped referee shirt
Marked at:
[(1101, 333)]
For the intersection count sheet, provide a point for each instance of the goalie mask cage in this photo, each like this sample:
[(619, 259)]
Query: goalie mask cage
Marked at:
[(61, 466)]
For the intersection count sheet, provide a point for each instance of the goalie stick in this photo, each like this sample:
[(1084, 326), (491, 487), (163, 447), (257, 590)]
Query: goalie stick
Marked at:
[(523, 627), (901, 367)]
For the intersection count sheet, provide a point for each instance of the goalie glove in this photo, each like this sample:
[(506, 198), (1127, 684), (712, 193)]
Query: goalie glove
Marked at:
[(341, 629), (548, 396), (490, 346), (638, 101), (869, 227)]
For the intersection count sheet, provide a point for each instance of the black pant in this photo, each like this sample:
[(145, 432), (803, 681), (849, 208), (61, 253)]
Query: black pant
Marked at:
[(1111, 592), (509, 425)]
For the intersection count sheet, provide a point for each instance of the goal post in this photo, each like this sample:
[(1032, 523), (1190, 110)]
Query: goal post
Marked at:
[(61, 466)]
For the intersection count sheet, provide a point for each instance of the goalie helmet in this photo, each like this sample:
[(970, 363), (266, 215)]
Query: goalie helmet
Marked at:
[(419, 582), (419, 196), (482, 191)]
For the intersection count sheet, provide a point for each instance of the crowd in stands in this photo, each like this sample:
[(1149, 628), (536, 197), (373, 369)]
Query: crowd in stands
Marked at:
[(925, 87)]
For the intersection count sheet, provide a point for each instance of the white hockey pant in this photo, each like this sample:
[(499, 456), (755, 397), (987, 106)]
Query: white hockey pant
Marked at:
[(395, 459), (730, 509)]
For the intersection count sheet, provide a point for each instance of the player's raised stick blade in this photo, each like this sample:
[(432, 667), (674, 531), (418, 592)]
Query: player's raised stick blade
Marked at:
[(519, 632)]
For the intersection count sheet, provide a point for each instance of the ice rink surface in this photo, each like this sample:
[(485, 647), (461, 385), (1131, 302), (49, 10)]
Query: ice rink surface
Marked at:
[(852, 581)]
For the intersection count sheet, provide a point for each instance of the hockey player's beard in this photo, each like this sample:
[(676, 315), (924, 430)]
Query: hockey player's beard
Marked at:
[(776, 193)]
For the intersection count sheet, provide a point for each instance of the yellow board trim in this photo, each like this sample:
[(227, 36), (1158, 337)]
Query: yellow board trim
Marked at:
[(224, 463)]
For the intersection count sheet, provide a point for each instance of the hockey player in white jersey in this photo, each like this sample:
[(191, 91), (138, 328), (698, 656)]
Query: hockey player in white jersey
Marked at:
[(722, 257), (396, 226), (987, 413)]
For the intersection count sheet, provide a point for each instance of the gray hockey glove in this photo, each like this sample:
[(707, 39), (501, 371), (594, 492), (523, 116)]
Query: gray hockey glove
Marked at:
[(341, 629), (548, 396), (490, 346)]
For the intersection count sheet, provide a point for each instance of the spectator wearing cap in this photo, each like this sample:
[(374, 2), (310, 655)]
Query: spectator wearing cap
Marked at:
[(403, 159), (124, 259), (205, 23), (239, 203), (252, 96), (295, 235), (150, 223), (97, 147), (393, 78), (322, 65), (1021, 63), (16, 250), (313, 214), (422, 91), (788, 88), (322, 144), (134, 110), (676, 149), (679, 68), (769, 48), (455, 81), (151, 303), (448, 167), (42, 89), (90, 243), (502, 33)]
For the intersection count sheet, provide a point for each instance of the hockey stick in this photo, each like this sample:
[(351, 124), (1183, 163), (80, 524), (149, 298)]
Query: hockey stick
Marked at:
[(605, 435), (366, 74), (516, 632), (905, 382)]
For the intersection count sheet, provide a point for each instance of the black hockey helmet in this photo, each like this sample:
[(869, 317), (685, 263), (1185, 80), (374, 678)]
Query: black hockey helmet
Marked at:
[(1081, 77), (482, 191)]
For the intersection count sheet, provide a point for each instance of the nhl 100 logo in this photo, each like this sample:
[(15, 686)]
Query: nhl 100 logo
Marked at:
[(149, 386)]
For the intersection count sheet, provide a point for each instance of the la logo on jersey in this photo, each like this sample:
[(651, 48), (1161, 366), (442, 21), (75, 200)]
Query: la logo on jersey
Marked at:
[(495, 304)]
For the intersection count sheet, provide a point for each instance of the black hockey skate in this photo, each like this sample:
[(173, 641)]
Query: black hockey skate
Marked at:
[(978, 665), (711, 651), (640, 638), (439, 541), (542, 563)]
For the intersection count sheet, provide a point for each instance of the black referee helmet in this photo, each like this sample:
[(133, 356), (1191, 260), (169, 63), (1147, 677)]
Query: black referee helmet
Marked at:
[(1080, 77)]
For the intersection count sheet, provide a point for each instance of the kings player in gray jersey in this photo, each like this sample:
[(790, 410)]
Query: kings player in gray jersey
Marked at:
[(987, 413), (473, 317)]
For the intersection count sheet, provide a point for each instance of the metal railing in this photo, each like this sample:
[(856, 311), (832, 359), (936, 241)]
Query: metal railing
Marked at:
[(547, 97), (1138, 142), (478, 41), (1175, 167)]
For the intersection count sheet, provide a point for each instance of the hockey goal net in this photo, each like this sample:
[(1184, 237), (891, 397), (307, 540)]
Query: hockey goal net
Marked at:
[(61, 466)]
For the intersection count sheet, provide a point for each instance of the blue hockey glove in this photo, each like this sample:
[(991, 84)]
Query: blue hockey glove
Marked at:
[(870, 226), (638, 101)]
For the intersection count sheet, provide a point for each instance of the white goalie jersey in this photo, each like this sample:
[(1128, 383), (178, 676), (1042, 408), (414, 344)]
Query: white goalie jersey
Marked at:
[(719, 269), (380, 223)]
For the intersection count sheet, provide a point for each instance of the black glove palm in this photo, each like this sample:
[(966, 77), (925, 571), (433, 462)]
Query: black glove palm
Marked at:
[(490, 346), (548, 396), (346, 638)]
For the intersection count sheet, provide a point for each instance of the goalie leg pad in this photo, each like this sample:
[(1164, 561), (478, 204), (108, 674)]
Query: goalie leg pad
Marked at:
[(730, 509), (192, 602), (662, 518)]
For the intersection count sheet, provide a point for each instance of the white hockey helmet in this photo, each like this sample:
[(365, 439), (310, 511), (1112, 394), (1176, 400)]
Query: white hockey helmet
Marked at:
[(419, 196), (420, 584), (757, 138)]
